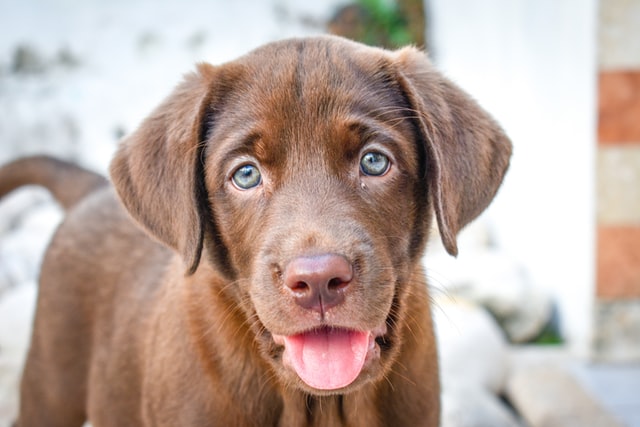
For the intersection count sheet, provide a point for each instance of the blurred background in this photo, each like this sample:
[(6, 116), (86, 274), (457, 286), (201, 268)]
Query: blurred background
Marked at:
[(544, 297)]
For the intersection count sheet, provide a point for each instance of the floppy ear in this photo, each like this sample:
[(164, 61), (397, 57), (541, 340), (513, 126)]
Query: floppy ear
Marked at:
[(468, 151), (158, 171)]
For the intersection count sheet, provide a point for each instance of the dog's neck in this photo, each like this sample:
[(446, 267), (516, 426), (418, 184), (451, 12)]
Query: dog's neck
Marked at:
[(300, 409)]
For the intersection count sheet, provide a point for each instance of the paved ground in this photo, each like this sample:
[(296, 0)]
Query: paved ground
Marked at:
[(616, 386), (552, 384)]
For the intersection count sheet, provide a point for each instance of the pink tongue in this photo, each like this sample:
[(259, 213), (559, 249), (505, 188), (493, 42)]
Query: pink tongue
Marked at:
[(327, 359)]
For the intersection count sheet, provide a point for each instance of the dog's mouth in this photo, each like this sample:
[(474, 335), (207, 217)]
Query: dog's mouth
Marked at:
[(328, 358)]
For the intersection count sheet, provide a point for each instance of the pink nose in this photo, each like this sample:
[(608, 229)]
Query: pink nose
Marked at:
[(318, 282)]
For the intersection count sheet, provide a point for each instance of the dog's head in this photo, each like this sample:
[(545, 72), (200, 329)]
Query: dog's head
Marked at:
[(308, 172)]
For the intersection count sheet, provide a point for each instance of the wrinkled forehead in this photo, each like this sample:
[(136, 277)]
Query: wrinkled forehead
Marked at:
[(315, 78)]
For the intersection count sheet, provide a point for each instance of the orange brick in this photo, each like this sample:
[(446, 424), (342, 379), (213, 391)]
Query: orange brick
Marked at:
[(619, 107), (618, 266)]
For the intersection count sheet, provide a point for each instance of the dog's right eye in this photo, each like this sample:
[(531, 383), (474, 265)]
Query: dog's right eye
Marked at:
[(374, 163), (246, 177)]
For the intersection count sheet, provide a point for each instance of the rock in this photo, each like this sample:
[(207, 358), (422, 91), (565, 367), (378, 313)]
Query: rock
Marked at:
[(499, 285), (22, 248), (16, 204), (16, 313), (495, 281), (27, 60), (466, 405), (548, 396), (471, 345), (617, 333)]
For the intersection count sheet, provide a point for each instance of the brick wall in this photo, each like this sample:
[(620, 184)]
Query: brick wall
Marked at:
[(617, 308)]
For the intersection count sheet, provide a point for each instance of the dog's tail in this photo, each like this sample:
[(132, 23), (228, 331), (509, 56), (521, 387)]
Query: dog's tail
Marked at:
[(67, 182)]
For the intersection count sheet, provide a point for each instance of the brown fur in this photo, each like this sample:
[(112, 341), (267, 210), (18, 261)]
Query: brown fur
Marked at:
[(177, 329)]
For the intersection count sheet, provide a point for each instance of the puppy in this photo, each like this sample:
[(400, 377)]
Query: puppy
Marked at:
[(259, 262)]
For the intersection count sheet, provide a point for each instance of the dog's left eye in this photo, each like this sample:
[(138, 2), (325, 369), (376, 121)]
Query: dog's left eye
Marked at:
[(374, 163), (246, 177)]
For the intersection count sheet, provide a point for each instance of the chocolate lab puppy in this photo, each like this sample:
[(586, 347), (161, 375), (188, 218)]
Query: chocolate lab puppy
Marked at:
[(257, 261)]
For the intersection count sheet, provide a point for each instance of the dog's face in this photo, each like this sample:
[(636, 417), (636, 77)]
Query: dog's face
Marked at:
[(308, 170), (323, 173)]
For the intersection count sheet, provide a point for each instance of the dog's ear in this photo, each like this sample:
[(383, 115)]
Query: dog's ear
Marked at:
[(158, 170), (468, 151)]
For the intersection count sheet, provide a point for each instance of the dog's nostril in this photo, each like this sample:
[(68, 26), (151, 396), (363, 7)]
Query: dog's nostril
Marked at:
[(337, 283), (299, 287)]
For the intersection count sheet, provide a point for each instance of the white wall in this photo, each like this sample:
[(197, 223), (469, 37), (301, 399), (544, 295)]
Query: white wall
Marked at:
[(532, 64)]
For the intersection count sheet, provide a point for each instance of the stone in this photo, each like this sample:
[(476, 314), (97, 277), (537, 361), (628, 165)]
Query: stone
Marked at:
[(27, 60), (618, 177), (15, 205), (549, 396), (471, 345), (495, 281), (467, 405), (22, 248), (617, 331), (16, 313), (619, 34)]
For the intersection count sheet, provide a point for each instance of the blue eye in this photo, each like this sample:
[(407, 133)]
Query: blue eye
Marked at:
[(374, 163), (246, 177)]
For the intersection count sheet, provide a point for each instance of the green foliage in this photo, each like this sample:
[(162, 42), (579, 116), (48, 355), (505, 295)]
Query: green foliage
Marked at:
[(549, 336), (387, 24)]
